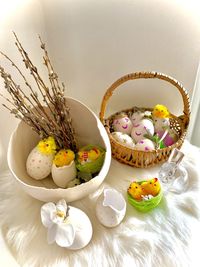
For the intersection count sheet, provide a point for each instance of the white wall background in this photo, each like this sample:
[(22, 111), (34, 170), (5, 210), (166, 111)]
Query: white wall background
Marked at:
[(93, 43)]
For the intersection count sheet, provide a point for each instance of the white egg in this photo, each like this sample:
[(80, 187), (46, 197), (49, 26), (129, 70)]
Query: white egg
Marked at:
[(137, 117), (145, 145), (123, 125), (123, 139), (82, 226), (63, 175), (110, 207), (38, 165), (144, 127), (161, 124)]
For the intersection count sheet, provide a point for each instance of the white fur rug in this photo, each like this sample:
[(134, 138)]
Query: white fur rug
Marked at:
[(166, 236)]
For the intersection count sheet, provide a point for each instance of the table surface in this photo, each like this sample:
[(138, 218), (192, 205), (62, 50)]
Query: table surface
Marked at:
[(7, 257)]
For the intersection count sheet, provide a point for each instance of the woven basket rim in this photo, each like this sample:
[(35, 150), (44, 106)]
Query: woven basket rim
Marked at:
[(139, 158)]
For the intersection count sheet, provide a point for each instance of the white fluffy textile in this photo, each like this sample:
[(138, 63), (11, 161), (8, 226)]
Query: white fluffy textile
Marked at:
[(166, 236)]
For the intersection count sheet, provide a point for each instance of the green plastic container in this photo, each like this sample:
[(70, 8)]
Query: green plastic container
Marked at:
[(91, 167), (145, 205)]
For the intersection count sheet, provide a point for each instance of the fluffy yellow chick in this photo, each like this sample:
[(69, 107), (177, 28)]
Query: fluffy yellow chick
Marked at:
[(90, 155), (63, 157), (47, 146), (160, 111), (136, 190), (151, 187)]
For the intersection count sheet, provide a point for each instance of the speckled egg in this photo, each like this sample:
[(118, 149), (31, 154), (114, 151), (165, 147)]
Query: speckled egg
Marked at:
[(143, 127), (38, 165), (145, 145), (123, 139), (122, 124)]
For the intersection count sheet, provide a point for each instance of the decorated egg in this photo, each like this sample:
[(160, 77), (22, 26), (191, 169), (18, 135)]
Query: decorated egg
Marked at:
[(170, 138), (123, 139), (122, 124), (110, 207), (137, 117), (145, 145), (63, 168), (161, 124), (38, 165), (39, 161), (144, 127)]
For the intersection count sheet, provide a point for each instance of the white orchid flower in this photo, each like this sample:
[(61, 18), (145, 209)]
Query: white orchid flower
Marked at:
[(55, 218)]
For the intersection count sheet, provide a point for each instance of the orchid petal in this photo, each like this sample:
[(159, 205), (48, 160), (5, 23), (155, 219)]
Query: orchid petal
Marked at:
[(51, 236), (65, 235), (61, 205), (46, 214)]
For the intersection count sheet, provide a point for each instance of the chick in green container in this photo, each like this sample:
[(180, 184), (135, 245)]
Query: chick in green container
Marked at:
[(145, 195), (89, 159)]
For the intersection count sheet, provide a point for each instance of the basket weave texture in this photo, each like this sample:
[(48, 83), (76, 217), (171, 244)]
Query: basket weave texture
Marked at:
[(144, 159)]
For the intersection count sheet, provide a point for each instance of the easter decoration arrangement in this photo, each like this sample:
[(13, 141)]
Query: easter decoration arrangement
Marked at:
[(145, 195), (145, 131), (144, 136), (45, 110)]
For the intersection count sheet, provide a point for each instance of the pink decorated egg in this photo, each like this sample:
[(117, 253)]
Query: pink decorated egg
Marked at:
[(141, 129), (169, 139), (145, 145), (122, 124)]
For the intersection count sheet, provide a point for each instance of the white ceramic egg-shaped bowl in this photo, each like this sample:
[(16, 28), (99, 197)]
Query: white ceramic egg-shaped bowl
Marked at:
[(89, 130)]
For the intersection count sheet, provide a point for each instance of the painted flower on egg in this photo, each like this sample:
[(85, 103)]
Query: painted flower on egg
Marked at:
[(122, 124)]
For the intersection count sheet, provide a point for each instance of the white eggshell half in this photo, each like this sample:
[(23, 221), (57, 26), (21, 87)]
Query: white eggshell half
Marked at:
[(82, 226), (145, 145), (143, 127), (110, 208), (38, 165), (123, 125), (123, 139), (63, 175)]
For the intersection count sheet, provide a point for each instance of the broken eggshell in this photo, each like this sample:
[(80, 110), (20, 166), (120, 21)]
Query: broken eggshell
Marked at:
[(110, 207), (123, 139), (63, 175), (46, 189)]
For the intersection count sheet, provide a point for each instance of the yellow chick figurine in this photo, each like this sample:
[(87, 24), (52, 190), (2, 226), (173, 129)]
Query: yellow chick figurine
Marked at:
[(47, 146), (136, 191), (160, 111), (151, 187), (64, 157), (88, 156)]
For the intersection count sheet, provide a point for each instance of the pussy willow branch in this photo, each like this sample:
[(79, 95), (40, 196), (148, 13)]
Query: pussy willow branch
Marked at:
[(49, 117)]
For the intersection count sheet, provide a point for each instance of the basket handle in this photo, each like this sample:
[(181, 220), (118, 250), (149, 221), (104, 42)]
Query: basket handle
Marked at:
[(148, 75)]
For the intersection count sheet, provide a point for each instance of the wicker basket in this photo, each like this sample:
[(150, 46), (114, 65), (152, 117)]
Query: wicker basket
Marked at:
[(144, 159)]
